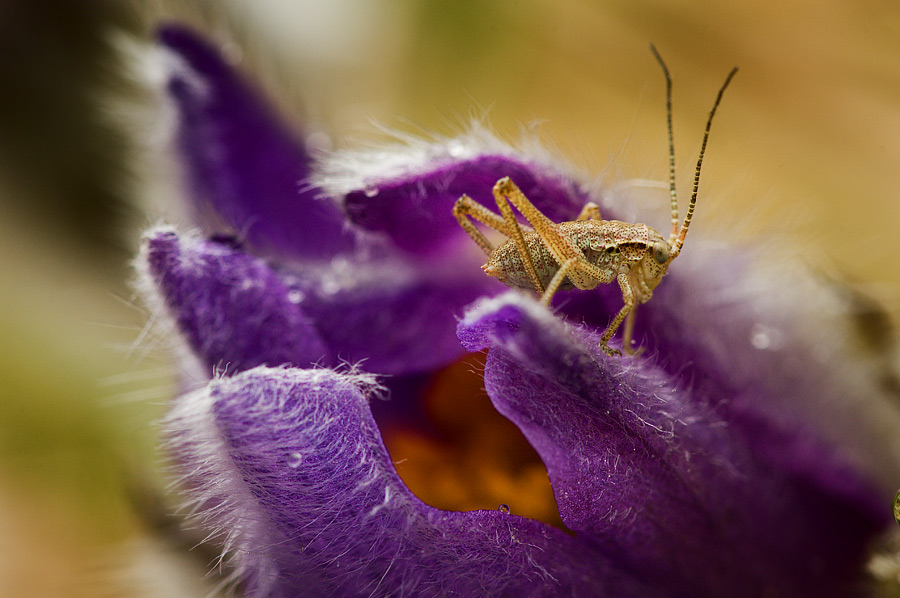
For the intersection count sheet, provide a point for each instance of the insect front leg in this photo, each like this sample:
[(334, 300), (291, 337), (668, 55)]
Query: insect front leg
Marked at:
[(629, 331), (628, 298)]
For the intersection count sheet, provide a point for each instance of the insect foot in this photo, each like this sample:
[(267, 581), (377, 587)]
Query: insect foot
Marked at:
[(610, 351), (548, 256)]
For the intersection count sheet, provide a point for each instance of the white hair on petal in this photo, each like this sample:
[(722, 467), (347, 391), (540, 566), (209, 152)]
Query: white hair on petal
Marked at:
[(341, 172), (149, 119), (220, 497), (222, 502), (161, 328), (524, 301)]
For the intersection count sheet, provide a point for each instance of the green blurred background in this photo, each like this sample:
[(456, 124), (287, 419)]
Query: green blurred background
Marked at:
[(805, 158)]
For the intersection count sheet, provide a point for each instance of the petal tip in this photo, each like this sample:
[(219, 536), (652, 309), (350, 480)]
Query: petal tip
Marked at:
[(493, 317)]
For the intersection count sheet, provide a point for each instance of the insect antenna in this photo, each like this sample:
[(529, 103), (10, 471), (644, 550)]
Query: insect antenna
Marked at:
[(675, 219), (676, 246)]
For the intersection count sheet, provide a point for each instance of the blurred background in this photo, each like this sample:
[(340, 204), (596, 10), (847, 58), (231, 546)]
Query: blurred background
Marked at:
[(804, 157)]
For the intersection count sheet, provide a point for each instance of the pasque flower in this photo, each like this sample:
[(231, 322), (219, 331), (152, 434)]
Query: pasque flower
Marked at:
[(746, 452)]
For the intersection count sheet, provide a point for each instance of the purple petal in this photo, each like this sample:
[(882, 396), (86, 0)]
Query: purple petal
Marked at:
[(232, 309), (236, 312), (241, 162), (760, 346), (397, 325), (657, 478), (290, 466), (415, 207)]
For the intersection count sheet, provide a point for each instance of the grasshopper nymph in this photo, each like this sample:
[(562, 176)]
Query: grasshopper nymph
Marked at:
[(549, 256)]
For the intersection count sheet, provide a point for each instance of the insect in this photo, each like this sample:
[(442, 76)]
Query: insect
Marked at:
[(549, 256)]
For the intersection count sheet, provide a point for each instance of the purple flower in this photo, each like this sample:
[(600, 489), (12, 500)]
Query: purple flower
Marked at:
[(746, 452)]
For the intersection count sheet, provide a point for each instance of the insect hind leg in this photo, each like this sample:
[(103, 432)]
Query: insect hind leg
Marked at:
[(581, 273), (506, 192), (590, 211), (467, 209)]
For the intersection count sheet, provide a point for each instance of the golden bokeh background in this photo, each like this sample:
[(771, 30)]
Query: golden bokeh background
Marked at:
[(804, 157)]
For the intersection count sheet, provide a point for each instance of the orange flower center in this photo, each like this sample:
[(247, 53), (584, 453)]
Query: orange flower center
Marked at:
[(477, 459)]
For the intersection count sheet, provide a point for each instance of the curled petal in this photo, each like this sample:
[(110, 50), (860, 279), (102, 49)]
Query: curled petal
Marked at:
[(409, 193), (233, 310), (291, 467), (243, 165), (654, 475)]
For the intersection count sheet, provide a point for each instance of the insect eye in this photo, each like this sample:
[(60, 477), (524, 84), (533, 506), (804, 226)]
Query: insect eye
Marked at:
[(660, 252)]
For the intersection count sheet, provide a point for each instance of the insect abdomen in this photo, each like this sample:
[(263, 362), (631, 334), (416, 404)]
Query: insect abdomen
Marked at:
[(507, 266)]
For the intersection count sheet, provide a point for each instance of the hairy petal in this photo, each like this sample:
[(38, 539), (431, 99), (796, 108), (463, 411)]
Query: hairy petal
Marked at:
[(408, 193), (290, 466), (773, 352), (761, 344), (237, 312), (242, 164), (654, 475), (234, 312)]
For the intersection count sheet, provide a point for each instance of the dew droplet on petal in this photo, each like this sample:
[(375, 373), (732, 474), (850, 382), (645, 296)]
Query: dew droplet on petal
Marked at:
[(330, 286), (503, 508), (295, 460), (456, 148), (766, 337)]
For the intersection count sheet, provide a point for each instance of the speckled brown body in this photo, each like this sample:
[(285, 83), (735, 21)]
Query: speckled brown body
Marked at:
[(614, 247), (587, 251), (579, 254)]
